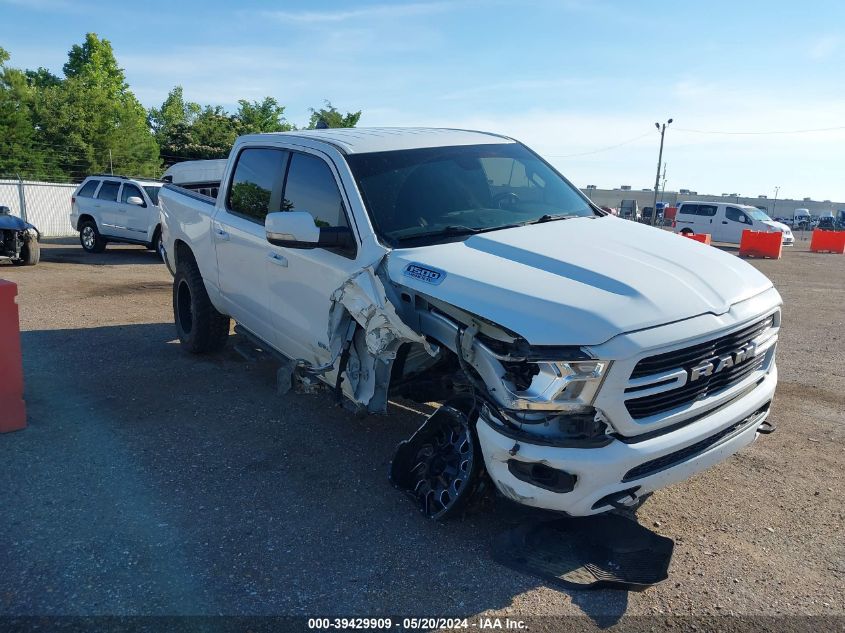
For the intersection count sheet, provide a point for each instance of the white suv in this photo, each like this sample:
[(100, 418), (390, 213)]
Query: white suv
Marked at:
[(106, 208)]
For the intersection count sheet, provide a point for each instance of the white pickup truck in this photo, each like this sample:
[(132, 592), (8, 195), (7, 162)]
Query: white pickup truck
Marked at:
[(583, 361)]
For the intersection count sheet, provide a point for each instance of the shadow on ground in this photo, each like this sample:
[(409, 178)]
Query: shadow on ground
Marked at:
[(150, 481), (66, 250)]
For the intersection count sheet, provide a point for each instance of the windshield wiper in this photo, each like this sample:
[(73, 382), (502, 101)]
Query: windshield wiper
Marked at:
[(551, 218), (454, 231)]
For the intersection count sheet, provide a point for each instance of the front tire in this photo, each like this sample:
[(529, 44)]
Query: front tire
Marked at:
[(90, 238), (30, 252), (200, 327)]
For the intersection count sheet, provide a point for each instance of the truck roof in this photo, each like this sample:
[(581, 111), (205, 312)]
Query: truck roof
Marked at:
[(362, 140)]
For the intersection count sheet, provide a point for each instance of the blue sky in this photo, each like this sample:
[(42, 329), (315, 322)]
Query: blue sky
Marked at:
[(568, 77)]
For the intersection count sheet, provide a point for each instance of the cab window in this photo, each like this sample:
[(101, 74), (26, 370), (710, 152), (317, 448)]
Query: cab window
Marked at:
[(108, 191), (311, 187), (256, 187)]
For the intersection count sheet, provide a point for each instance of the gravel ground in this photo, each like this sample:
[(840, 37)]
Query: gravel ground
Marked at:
[(153, 482)]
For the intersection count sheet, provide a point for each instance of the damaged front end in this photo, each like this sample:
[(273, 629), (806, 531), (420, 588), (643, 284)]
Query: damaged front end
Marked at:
[(389, 341)]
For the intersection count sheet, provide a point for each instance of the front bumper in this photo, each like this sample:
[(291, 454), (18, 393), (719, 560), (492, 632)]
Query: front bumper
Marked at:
[(601, 472)]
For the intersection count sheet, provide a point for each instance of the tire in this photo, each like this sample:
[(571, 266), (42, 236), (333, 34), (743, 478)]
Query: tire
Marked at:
[(200, 327), (157, 245), (30, 252), (686, 231), (90, 238)]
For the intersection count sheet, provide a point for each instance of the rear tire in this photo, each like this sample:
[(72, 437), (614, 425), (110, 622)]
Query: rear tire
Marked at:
[(30, 252), (200, 327), (686, 231), (90, 238)]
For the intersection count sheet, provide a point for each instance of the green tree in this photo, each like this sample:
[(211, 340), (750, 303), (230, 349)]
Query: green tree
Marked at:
[(175, 111), (332, 117), (94, 63), (91, 119), (21, 152), (262, 116)]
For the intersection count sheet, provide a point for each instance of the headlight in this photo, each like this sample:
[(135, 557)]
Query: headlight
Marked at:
[(579, 380), (561, 385)]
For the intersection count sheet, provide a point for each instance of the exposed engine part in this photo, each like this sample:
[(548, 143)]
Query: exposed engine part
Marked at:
[(440, 466)]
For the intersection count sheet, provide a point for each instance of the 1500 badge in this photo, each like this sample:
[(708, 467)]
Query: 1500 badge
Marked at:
[(423, 273)]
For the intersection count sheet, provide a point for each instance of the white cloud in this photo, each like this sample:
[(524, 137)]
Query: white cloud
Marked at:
[(365, 12), (824, 47)]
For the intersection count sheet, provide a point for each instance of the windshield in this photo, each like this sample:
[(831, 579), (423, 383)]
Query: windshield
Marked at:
[(421, 196), (757, 214), (152, 192)]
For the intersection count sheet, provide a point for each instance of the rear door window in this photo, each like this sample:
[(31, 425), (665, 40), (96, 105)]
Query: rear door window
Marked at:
[(109, 191), (257, 182), (88, 189), (688, 209), (708, 210)]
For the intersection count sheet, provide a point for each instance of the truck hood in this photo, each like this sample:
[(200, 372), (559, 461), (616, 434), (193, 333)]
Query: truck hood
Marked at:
[(580, 281)]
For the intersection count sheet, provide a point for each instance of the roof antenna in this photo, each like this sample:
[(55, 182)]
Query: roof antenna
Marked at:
[(321, 124)]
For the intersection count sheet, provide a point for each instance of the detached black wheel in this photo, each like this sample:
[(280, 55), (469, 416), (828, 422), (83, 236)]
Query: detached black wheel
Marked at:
[(441, 466), (90, 238), (200, 327), (30, 252)]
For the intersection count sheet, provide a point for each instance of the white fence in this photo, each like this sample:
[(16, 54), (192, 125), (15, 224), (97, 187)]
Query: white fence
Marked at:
[(44, 204)]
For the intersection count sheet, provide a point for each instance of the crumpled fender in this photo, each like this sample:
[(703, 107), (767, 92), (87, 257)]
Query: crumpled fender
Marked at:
[(362, 297)]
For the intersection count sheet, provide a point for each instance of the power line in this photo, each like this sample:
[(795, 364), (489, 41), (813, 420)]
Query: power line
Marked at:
[(601, 149), (807, 131)]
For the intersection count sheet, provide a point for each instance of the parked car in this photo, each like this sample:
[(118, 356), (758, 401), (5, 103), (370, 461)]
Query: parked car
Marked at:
[(726, 222), (583, 361), (107, 208), (827, 223), (18, 240), (801, 219)]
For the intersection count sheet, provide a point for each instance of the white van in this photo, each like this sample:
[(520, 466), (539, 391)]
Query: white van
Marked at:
[(726, 222)]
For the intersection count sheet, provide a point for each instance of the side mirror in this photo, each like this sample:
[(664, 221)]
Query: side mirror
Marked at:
[(297, 229), (138, 202)]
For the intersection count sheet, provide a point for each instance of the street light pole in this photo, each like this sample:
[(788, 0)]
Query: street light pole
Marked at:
[(775, 203), (662, 130)]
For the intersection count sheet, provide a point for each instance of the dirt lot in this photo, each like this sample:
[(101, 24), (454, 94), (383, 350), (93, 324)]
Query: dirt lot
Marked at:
[(153, 482)]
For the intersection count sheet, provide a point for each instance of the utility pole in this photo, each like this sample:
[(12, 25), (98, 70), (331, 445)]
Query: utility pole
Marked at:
[(662, 130), (111, 168), (775, 203)]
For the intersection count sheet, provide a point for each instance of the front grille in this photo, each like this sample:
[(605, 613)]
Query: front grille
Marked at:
[(689, 357), (685, 454)]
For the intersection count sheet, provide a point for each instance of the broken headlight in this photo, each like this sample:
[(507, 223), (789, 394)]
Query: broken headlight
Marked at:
[(570, 385)]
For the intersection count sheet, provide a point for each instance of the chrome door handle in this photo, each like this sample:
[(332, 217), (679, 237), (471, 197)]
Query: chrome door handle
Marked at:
[(280, 260), (222, 235)]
